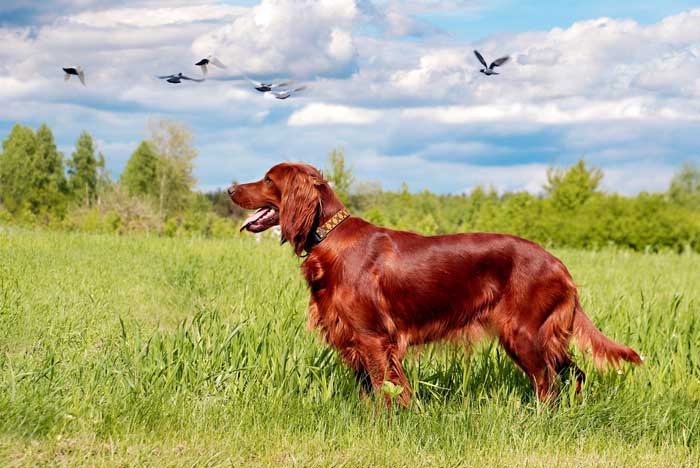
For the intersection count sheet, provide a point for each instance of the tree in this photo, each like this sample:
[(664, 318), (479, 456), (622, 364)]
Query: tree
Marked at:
[(140, 176), (82, 169), (172, 143), (570, 188), (685, 187), (104, 178), (16, 180), (49, 187), (366, 194), (222, 205), (339, 175)]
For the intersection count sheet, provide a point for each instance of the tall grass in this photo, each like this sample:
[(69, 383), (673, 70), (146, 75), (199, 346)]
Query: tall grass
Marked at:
[(169, 352)]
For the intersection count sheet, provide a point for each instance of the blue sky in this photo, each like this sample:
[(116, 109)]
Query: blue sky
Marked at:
[(394, 83), (512, 16)]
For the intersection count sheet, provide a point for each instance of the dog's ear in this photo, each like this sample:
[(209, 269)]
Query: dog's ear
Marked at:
[(301, 202)]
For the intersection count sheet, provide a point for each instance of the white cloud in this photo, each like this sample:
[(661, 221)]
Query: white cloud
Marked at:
[(546, 56), (570, 111), (454, 177), (330, 114), (299, 38), (441, 70), (152, 17), (639, 176)]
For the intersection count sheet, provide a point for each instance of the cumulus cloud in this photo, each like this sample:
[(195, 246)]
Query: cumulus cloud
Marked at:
[(151, 17), (299, 38), (329, 114), (556, 113), (546, 56), (455, 177), (33, 12)]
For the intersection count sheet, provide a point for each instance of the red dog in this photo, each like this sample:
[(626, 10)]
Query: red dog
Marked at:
[(375, 291)]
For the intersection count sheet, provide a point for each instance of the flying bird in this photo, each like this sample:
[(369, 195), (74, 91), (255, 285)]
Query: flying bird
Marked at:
[(209, 60), (488, 69), (176, 79), (266, 87), (284, 94), (77, 71)]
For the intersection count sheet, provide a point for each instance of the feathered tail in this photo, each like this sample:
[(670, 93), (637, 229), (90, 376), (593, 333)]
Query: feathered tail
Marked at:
[(604, 350)]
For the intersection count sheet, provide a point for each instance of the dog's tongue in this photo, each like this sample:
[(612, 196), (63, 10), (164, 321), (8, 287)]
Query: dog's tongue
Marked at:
[(254, 217)]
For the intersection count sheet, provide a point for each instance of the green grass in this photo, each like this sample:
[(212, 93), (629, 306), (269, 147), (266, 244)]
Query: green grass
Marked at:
[(169, 352)]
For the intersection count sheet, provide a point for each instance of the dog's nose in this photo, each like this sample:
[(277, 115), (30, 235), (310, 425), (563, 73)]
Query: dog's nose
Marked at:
[(231, 190)]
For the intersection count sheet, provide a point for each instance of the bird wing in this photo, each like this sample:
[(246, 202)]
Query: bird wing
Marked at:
[(300, 88), (281, 85), (165, 77), (215, 61), (191, 79), (252, 81), (66, 77), (481, 59), (498, 62), (202, 62), (204, 68), (81, 75)]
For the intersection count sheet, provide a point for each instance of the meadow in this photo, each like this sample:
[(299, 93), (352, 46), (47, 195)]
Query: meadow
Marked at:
[(136, 350)]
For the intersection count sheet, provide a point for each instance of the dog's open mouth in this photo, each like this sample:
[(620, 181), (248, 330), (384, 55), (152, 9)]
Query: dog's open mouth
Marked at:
[(261, 220)]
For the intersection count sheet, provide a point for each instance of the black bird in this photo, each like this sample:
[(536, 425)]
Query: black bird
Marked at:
[(488, 69), (284, 94), (77, 71), (209, 60), (176, 79)]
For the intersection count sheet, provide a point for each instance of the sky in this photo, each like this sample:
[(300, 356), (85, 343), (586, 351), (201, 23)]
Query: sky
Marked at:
[(395, 83)]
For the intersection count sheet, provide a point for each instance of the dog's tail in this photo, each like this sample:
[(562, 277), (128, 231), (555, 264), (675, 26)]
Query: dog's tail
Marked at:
[(605, 351)]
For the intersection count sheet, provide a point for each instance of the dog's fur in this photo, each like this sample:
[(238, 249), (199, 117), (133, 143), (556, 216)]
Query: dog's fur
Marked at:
[(375, 291)]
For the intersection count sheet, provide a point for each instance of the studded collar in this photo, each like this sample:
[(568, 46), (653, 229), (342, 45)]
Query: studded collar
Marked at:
[(322, 231)]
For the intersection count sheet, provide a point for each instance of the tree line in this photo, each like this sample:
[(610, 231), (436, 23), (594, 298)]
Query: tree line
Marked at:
[(155, 193), (571, 211)]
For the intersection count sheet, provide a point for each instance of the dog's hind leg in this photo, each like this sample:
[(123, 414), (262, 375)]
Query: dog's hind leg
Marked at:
[(567, 365), (528, 356), (537, 340)]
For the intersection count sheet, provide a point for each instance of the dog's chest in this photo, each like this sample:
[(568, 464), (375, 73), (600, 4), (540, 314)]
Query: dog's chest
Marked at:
[(325, 309)]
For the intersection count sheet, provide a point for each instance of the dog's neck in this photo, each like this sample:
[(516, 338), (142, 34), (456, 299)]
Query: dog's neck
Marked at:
[(331, 213), (330, 204)]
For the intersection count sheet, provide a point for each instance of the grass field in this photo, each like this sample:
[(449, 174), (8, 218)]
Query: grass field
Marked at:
[(168, 352)]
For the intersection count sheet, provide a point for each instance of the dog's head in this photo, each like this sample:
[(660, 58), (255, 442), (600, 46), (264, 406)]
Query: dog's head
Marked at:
[(292, 195)]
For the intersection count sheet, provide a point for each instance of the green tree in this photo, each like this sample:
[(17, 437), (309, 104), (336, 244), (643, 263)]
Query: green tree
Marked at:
[(104, 178), (339, 175), (140, 176), (427, 225), (685, 187), (172, 143), (222, 205), (375, 216), (569, 188), (366, 194), (82, 169), (49, 187), (18, 154)]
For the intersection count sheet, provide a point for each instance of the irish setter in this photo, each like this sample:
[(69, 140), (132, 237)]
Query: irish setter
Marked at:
[(375, 291)]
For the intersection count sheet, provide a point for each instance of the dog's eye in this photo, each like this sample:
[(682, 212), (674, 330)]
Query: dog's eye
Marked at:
[(267, 180)]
